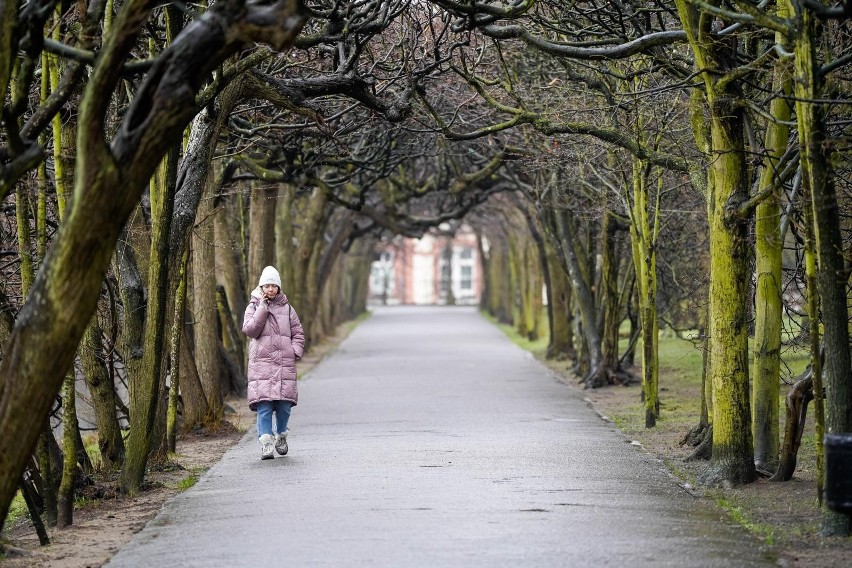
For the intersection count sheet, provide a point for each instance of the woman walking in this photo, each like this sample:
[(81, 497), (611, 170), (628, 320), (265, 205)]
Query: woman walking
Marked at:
[(277, 342)]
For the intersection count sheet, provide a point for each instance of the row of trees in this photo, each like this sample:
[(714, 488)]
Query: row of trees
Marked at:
[(155, 158), (742, 104)]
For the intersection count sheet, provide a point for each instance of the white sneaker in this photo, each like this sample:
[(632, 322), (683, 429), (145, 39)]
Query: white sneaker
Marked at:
[(266, 446), (281, 443)]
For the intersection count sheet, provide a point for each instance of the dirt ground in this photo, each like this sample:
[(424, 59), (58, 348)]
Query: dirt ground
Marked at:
[(783, 515), (106, 521)]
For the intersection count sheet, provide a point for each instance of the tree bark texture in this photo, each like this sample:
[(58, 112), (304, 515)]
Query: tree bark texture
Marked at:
[(733, 455), (643, 236), (205, 316), (176, 338), (70, 432), (103, 396), (284, 238), (609, 300), (261, 231), (768, 248), (196, 411), (584, 297), (831, 282), (561, 327), (229, 267), (797, 410), (147, 386)]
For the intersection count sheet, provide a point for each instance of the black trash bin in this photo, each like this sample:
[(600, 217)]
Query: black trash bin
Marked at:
[(838, 472)]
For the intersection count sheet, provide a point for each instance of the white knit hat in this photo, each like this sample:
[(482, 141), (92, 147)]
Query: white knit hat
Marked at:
[(270, 276)]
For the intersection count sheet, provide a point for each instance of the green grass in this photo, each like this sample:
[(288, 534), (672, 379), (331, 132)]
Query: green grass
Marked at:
[(537, 347), (190, 480), (739, 516), (90, 443), (187, 482), (17, 509)]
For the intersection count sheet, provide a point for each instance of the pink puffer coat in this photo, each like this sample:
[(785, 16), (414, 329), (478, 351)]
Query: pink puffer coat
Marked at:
[(277, 342)]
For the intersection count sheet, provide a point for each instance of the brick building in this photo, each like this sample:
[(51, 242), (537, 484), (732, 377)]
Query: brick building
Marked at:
[(416, 271)]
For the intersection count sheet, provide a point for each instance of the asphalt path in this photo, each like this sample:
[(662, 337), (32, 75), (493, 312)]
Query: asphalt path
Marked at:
[(429, 440)]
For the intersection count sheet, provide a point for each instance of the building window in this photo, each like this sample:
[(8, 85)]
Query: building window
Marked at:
[(466, 278), (466, 253), (445, 277)]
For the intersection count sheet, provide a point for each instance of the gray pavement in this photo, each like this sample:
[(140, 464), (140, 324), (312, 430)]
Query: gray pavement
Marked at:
[(429, 440)]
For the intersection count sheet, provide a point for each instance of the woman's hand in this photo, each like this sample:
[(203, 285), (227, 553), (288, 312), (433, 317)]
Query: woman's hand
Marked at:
[(269, 292)]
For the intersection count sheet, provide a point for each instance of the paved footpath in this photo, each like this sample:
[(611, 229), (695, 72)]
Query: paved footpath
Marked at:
[(429, 440)]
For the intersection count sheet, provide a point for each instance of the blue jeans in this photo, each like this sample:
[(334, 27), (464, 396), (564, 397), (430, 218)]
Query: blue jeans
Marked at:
[(265, 408)]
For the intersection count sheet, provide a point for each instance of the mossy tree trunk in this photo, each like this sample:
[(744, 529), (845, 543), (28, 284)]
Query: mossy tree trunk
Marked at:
[(147, 385), (329, 264), (102, 390), (643, 235), (610, 304), (559, 306), (831, 275), (500, 285), (543, 281), (733, 456), (70, 429), (284, 236), (768, 247), (815, 344), (306, 253), (575, 263), (176, 340)]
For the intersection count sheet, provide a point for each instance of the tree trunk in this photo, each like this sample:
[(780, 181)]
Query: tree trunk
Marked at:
[(49, 457), (596, 375), (733, 457), (232, 341), (816, 177), (610, 297), (230, 269), (102, 390), (559, 304), (284, 238), (65, 496), (797, 410), (261, 230), (205, 314), (304, 294), (196, 411), (177, 332), (733, 454), (768, 247), (644, 245)]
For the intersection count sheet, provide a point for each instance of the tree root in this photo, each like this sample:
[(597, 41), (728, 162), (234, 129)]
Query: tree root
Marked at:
[(796, 403), (607, 377), (700, 437)]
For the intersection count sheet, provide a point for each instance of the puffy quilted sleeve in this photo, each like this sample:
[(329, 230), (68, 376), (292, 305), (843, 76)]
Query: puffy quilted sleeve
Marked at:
[(297, 334), (255, 318)]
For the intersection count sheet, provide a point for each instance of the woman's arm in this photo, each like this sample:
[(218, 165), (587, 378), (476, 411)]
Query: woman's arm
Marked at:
[(255, 318), (297, 334)]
